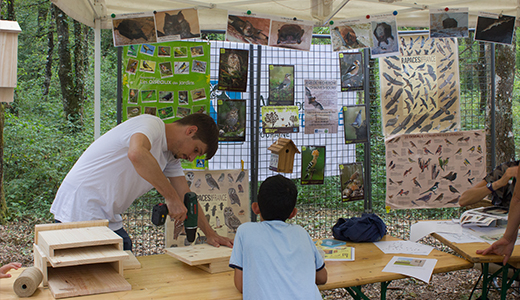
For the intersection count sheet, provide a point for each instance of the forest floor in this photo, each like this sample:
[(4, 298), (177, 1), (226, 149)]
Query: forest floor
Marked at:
[(16, 246)]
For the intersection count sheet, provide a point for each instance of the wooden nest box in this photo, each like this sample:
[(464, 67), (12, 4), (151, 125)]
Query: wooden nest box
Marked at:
[(9, 31), (282, 157)]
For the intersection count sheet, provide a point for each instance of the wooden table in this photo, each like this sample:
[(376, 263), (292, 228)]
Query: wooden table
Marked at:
[(468, 251), (164, 277)]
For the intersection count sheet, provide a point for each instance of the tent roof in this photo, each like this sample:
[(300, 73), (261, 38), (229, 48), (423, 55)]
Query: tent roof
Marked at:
[(213, 14)]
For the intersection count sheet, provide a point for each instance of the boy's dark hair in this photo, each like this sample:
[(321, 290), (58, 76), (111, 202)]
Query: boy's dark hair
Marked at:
[(277, 198), (207, 131)]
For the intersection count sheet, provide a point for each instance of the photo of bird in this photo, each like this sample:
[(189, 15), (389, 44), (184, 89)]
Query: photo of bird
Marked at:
[(351, 71), (311, 167), (286, 83), (312, 99), (231, 220), (358, 121)]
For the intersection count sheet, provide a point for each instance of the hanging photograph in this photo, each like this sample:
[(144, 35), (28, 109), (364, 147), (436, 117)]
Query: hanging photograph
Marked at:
[(496, 28), (313, 165), (174, 25), (452, 22), (350, 34), (232, 75), (250, 29), (288, 33), (231, 120), (281, 85), (130, 29), (280, 119), (355, 124), (351, 71), (321, 112), (352, 183), (432, 170), (385, 39)]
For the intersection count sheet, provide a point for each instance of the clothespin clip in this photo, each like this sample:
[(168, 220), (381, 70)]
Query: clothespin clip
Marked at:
[(387, 209), (242, 165)]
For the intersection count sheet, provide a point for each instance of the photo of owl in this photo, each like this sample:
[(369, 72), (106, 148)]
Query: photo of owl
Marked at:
[(231, 120), (233, 65)]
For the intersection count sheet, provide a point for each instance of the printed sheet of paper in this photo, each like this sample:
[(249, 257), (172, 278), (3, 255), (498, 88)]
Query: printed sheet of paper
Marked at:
[(461, 238), (403, 247), (420, 268), (321, 106), (432, 170), (424, 228)]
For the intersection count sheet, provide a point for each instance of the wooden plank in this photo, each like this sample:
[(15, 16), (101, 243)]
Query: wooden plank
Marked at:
[(132, 262), (216, 266), (86, 280), (199, 254), (86, 255), (40, 262), (56, 226), (51, 240)]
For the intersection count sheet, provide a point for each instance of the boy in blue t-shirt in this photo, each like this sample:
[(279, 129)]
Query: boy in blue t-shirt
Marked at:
[(273, 259)]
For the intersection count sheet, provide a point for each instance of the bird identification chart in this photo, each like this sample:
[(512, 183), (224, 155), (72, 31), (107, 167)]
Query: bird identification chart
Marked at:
[(223, 196), (321, 114), (420, 88), (433, 170), (167, 80)]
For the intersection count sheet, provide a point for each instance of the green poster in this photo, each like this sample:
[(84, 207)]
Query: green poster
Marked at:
[(169, 80)]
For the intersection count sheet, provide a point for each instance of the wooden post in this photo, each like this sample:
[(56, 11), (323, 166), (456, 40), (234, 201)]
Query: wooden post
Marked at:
[(9, 31)]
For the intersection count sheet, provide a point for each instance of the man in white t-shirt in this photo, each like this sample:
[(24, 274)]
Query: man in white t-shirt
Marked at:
[(128, 161)]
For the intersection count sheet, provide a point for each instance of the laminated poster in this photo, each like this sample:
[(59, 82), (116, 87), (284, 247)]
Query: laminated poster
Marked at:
[(350, 34), (280, 119), (449, 23), (289, 33), (351, 71), (495, 28), (321, 115), (352, 181), (177, 25), (420, 88), (281, 85), (249, 29), (223, 196), (432, 170), (385, 37), (355, 124), (232, 70), (313, 165), (231, 120), (168, 80)]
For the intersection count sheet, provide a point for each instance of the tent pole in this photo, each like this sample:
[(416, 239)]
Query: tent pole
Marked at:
[(97, 76)]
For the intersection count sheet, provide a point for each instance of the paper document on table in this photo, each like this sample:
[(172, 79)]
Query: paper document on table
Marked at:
[(490, 234), (404, 247), (461, 238), (420, 268), (424, 228)]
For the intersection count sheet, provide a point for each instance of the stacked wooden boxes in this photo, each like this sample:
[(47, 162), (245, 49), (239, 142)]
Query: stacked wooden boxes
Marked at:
[(80, 258), (9, 31)]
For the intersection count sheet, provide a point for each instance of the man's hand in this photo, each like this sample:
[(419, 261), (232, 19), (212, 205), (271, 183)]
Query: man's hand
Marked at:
[(7, 268), (500, 247), (217, 240), (176, 210), (508, 174)]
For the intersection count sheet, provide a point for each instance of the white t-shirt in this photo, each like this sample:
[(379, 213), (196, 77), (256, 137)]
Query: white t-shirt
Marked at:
[(278, 261), (103, 183)]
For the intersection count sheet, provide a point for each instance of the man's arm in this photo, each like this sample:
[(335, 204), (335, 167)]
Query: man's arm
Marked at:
[(181, 186), (321, 276), (148, 168), (474, 194), (506, 244)]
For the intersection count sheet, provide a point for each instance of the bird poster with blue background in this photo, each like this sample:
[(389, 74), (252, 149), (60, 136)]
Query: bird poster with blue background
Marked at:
[(432, 170), (351, 72), (223, 196), (355, 124), (281, 85), (313, 165), (350, 34), (420, 88), (231, 120), (352, 181)]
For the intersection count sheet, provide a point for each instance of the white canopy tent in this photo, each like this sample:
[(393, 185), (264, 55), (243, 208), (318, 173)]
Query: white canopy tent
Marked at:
[(213, 15)]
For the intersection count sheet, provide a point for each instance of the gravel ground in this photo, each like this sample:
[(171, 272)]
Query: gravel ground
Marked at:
[(16, 245)]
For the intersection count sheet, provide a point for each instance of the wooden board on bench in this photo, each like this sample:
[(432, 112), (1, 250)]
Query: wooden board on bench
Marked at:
[(206, 257)]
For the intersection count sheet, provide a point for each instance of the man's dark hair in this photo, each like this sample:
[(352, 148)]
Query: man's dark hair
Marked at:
[(277, 198), (207, 131)]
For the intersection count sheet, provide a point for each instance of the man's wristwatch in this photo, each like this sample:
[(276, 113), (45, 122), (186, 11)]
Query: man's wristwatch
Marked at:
[(490, 187)]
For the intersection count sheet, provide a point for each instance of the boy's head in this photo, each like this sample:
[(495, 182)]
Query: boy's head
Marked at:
[(277, 198)]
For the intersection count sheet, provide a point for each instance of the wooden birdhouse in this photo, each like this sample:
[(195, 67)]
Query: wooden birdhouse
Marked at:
[(9, 31), (282, 156)]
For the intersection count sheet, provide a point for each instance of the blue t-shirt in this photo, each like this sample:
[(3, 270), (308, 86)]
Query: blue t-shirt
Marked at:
[(278, 261)]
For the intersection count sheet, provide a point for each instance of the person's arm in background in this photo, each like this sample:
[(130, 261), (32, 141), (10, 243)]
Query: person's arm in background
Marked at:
[(505, 245), (479, 191), (181, 186)]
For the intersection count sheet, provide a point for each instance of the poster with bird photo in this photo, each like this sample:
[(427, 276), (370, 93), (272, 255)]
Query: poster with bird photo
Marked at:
[(231, 120), (132, 29), (351, 71), (223, 196), (420, 89), (313, 165), (355, 124), (352, 183), (495, 28), (232, 70), (248, 28), (350, 34), (432, 170), (281, 85)]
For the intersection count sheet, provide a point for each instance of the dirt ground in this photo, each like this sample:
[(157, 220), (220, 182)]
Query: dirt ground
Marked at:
[(16, 245)]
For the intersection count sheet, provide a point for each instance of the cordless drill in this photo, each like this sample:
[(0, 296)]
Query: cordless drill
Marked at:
[(160, 211)]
